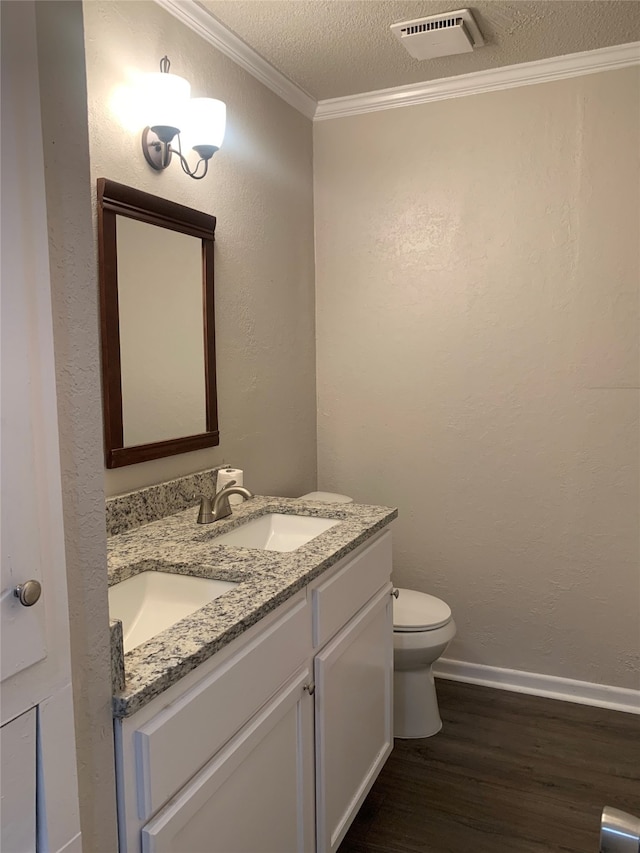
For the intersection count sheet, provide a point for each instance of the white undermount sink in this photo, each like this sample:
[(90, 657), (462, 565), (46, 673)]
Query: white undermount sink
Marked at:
[(150, 602), (277, 532)]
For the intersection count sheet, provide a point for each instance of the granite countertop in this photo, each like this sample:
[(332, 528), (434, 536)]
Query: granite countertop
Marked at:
[(265, 579)]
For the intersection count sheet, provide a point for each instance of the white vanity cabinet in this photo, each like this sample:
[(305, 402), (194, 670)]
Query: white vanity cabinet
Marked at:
[(354, 687), (256, 794), (270, 745)]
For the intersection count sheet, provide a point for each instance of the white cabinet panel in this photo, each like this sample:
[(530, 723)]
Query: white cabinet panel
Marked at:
[(19, 798), (255, 795), (353, 714), (217, 708), (339, 598)]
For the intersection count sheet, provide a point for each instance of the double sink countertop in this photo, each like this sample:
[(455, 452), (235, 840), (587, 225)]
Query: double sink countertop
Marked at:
[(265, 580)]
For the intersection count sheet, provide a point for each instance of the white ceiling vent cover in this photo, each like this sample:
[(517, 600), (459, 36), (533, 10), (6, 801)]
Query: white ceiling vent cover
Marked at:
[(439, 35)]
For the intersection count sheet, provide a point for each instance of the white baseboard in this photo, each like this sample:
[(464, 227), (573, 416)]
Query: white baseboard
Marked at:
[(550, 686)]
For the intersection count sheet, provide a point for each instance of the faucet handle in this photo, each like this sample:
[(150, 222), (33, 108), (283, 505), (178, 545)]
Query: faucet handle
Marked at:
[(226, 485), (205, 515)]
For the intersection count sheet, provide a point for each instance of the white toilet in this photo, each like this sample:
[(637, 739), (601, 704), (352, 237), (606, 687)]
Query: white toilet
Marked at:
[(423, 627)]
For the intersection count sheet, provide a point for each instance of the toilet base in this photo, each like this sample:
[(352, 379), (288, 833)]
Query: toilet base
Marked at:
[(415, 704)]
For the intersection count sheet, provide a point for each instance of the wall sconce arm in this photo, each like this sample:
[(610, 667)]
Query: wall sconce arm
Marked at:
[(206, 152), (158, 153)]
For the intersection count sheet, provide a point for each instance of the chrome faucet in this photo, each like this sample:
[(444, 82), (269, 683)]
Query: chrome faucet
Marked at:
[(220, 508)]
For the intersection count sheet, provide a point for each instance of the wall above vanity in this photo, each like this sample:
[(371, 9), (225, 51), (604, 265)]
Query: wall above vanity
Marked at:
[(260, 190)]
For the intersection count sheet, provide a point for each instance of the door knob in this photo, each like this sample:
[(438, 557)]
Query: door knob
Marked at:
[(395, 593), (28, 592)]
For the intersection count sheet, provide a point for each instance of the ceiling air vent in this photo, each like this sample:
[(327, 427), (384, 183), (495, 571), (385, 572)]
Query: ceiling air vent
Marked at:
[(439, 35)]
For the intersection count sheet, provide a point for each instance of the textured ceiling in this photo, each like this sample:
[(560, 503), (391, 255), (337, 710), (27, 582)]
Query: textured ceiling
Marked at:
[(332, 48)]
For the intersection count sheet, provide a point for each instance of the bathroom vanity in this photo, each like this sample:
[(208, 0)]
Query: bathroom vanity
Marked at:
[(259, 723)]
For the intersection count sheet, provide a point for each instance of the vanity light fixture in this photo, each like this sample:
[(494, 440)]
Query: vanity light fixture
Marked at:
[(171, 112)]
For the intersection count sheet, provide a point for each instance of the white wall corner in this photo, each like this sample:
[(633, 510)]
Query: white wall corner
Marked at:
[(533, 683), (227, 42), (479, 82)]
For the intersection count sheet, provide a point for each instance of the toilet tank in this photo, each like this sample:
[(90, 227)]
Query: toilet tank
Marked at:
[(327, 497)]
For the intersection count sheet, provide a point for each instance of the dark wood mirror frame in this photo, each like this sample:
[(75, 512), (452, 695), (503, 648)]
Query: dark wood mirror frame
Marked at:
[(119, 200)]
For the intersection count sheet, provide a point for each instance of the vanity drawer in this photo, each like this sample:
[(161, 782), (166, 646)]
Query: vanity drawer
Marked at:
[(337, 599), (172, 746)]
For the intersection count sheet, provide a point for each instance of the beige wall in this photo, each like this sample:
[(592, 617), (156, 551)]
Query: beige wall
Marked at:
[(260, 188), (477, 347)]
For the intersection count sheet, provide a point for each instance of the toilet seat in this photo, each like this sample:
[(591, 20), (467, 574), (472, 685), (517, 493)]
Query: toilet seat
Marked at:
[(415, 611)]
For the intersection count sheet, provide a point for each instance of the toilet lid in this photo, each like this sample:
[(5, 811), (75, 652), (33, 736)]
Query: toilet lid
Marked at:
[(327, 497), (417, 611)]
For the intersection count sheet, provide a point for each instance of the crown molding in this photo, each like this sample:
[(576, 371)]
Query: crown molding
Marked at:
[(475, 83), (495, 79), (211, 30)]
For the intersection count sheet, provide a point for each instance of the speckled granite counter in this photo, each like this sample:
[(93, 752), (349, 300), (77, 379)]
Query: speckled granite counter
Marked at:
[(266, 579)]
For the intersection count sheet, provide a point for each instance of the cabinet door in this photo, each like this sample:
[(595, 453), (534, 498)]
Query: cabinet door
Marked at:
[(19, 797), (353, 715), (256, 794)]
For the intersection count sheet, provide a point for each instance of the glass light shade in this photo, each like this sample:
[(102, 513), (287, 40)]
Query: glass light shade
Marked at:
[(166, 97), (205, 120)]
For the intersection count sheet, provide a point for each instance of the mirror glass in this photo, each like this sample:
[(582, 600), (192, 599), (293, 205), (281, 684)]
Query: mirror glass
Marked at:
[(161, 339), (158, 339)]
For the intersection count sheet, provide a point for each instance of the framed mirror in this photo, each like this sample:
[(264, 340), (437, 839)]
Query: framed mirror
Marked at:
[(157, 318)]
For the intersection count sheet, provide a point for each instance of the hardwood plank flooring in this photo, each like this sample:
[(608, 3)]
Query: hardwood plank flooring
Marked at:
[(508, 773)]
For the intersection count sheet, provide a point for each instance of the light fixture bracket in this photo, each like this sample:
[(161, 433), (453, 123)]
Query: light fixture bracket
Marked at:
[(156, 152)]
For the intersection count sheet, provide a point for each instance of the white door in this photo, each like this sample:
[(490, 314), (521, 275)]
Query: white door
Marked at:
[(24, 271), (353, 716), (255, 795), (35, 658)]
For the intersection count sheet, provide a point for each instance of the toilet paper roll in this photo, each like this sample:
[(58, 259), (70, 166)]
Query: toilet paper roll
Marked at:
[(225, 476)]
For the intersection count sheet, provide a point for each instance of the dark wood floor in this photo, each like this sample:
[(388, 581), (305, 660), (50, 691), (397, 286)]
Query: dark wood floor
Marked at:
[(508, 773)]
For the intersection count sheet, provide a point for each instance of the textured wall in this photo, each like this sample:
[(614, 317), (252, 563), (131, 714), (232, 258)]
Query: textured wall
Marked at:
[(75, 321), (260, 188), (477, 326)]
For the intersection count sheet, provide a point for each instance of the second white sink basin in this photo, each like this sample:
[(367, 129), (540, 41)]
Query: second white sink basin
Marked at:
[(150, 602), (277, 532)]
